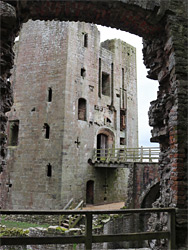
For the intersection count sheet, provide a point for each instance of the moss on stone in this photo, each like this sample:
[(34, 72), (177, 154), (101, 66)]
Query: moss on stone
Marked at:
[(13, 231)]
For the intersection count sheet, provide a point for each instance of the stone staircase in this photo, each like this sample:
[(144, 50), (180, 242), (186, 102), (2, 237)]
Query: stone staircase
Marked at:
[(70, 221)]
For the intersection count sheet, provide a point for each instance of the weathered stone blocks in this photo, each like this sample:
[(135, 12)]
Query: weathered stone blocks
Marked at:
[(167, 20)]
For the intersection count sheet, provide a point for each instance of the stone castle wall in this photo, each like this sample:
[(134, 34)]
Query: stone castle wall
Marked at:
[(163, 25), (143, 185), (43, 62)]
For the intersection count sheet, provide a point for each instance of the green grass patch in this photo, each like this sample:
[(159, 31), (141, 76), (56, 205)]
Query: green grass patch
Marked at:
[(18, 224)]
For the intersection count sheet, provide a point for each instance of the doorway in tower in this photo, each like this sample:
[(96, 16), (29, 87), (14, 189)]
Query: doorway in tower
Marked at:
[(102, 146), (90, 192), (105, 141)]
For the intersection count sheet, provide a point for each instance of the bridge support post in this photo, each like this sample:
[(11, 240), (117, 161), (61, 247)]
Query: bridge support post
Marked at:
[(172, 229), (88, 241)]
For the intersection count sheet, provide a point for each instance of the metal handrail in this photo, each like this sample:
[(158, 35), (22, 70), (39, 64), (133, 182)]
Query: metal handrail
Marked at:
[(89, 238), (121, 155)]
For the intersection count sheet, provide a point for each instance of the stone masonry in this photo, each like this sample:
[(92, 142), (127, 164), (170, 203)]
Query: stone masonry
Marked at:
[(63, 72), (163, 26)]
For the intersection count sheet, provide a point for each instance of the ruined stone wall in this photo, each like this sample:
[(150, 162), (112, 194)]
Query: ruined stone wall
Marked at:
[(124, 57), (168, 115), (143, 178), (71, 70), (38, 68), (159, 23), (98, 110)]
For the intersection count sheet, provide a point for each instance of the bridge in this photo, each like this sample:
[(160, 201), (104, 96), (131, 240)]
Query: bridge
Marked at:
[(163, 27), (143, 175), (118, 156), (143, 190)]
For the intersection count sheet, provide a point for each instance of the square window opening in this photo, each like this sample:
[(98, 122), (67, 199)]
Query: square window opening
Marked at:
[(13, 133)]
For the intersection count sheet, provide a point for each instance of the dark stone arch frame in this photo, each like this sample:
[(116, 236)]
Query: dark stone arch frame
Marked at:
[(155, 185), (163, 25)]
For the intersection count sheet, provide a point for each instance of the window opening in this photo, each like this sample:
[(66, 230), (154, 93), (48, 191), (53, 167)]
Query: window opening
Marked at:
[(102, 146), (82, 109), (108, 120), (49, 170), (83, 72), (105, 84), (99, 80), (49, 94), (122, 141), (13, 133), (47, 130), (123, 88), (122, 119), (112, 84), (85, 40), (115, 119)]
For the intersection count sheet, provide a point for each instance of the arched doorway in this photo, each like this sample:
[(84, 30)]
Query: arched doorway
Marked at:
[(102, 145), (151, 196), (90, 192), (105, 140)]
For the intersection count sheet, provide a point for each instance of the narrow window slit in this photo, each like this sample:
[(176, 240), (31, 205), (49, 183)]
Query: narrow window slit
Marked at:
[(49, 94), (13, 133), (86, 40), (47, 130), (122, 119), (49, 170), (82, 109), (83, 72)]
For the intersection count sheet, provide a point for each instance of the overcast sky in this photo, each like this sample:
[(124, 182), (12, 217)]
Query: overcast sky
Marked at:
[(147, 89)]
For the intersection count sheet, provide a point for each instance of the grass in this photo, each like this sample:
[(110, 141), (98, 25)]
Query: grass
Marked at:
[(17, 224)]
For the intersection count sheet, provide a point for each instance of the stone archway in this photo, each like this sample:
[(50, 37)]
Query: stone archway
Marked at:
[(105, 140), (108, 135), (163, 25), (150, 195), (149, 198)]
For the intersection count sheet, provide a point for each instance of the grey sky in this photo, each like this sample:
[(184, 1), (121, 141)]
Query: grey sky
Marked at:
[(147, 89)]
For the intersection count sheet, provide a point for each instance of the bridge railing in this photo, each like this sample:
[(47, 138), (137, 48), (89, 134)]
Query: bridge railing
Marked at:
[(89, 237), (120, 155)]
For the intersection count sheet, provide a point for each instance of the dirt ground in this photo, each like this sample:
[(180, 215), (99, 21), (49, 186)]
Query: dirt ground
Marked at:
[(110, 206)]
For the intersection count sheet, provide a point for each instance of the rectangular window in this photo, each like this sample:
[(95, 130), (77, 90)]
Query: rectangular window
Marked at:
[(49, 94), (99, 79), (13, 133), (122, 119), (123, 89), (83, 72), (85, 40), (82, 109), (112, 84), (47, 130), (105, 84), (122, 141), (115, 119), (49, 170)]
